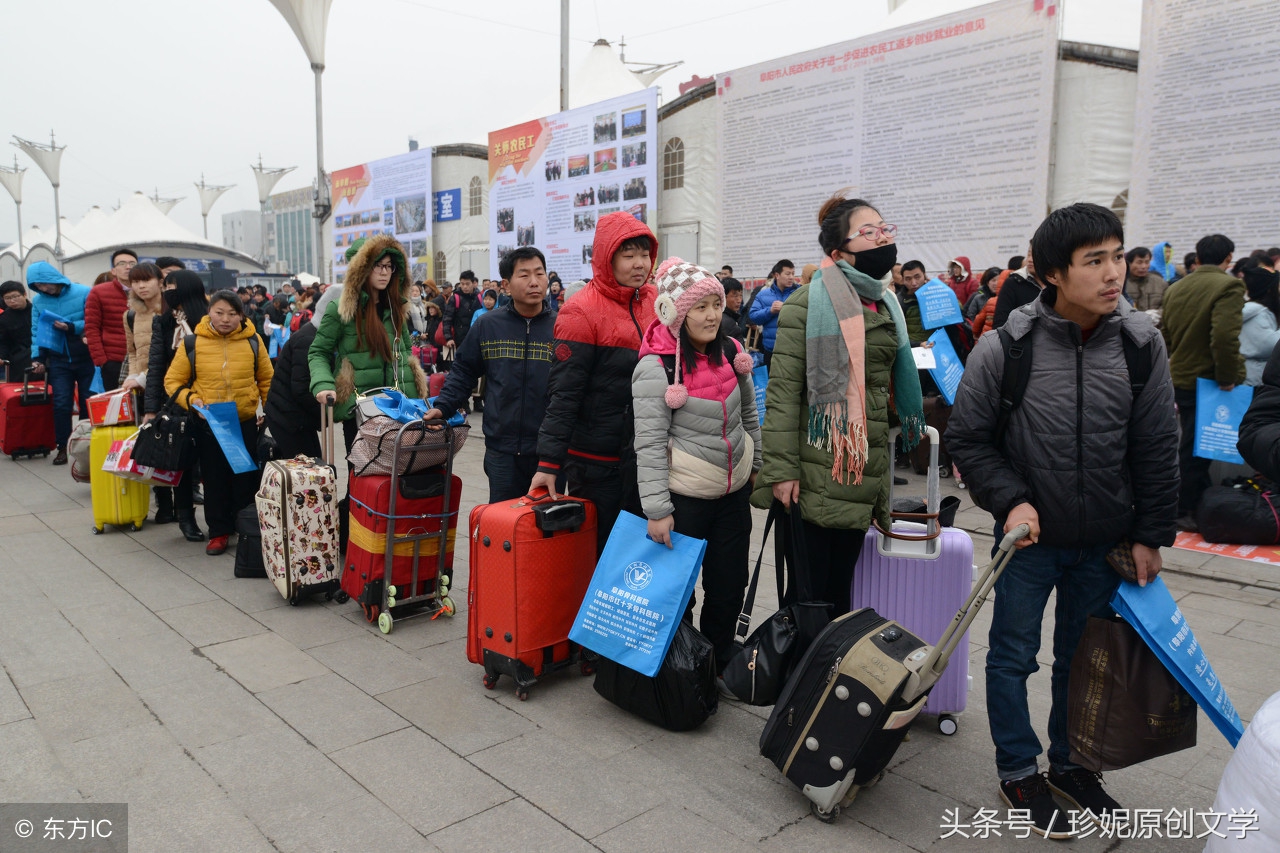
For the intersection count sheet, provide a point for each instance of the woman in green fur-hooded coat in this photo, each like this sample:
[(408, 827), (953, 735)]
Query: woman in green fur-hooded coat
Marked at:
[(363, 340), (841, 359)]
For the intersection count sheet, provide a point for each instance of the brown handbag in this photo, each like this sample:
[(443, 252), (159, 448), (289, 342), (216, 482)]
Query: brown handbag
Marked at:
[(1123, 706)]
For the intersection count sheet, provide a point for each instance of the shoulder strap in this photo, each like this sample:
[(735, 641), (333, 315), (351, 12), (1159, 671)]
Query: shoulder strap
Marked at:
[(189, 344), (253, 342), (1013, 381), (1138, 360), (669, 365), (129, 317)]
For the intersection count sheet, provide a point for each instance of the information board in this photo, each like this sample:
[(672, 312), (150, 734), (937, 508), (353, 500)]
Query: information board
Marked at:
[(389, 196)]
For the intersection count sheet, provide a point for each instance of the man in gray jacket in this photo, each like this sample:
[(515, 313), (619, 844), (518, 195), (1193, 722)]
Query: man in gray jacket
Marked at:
[(1088, 459)]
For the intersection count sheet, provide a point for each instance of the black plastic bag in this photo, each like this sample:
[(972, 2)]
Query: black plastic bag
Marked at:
[(683, 693), (1242, 515), (249, 562)]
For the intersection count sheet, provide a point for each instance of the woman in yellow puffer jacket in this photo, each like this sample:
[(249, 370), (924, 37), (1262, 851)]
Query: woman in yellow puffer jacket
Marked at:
[(231, 365)]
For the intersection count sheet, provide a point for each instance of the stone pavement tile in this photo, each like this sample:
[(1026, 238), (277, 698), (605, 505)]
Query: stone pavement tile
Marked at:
[(371, 663), (11, 705), (1206, 621), (1207, 772), (208, 709), (357, 823), (424, 783), (264, 661), (664, 829), (588, 795), (273, 773), (1183, 583), (311, 624), (1240, 664), (513, 827), (1254, 632), (848, 833), (965, 780), (122, 616), (331, 713), (158, 586), (84, 706), (1231, 607), (31, 770), (209, 622), (154, 659), (26, 523), (137, 765), (249, 595), (902, 810), (464, 717), (181, 824), (414, 634), (41, 645), (113, 541)]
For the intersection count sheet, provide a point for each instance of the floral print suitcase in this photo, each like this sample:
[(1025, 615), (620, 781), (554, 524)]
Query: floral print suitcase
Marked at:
[(298, 512)]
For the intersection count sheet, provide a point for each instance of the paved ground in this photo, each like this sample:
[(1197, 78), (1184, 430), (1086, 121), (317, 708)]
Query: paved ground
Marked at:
[(137, 669)]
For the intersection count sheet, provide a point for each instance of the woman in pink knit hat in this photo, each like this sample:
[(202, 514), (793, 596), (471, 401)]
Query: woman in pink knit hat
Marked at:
[(697, 438)]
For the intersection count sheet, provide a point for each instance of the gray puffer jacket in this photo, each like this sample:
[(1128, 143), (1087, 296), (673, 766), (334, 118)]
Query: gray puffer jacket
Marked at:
[(706, 448), (1097, 464)]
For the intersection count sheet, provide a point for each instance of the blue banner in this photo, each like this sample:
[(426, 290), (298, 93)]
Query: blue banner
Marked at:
[(938, 304), (946, 375), (224, 421), (1218, 417), (47, 337), (760, 379), (638, 595), (447, 205), (1153, 613)]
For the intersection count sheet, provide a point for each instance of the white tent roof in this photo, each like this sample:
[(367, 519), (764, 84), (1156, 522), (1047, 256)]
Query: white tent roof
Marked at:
[(1112, 23)]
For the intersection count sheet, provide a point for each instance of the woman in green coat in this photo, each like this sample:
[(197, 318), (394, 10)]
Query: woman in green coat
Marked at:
[(362, 342), (841, 356)]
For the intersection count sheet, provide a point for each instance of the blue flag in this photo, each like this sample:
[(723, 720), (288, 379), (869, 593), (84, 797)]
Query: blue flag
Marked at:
[(946, 375), (638, 595), (938, 304), (1218, 417), (224, 421)]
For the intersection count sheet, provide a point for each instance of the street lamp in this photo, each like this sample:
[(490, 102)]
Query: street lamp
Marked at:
[(12, 180), (209, 195), (165, 204), (309, 20), (49, 159), (267, 179)]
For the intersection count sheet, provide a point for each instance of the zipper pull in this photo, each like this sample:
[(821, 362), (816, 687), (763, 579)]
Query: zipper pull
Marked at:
[(831, 673)]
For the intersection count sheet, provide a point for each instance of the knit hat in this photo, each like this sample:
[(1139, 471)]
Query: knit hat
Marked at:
[(682, 285)]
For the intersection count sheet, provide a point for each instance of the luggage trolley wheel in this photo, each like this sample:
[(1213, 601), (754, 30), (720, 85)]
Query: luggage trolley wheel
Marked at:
[(447, 607), (947, 724), (827, 816), (385, 622)]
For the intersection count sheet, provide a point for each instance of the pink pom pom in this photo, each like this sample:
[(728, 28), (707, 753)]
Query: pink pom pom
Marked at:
[(666, 265), (743, 364), (677, 396)]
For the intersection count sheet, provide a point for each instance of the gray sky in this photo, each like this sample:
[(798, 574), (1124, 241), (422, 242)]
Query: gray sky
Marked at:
[(149, 94)]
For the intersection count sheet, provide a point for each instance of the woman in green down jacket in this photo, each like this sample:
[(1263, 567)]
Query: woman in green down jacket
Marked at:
[(362, 342), (841, 355)]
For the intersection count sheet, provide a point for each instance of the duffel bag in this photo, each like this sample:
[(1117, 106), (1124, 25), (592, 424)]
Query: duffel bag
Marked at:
[(420, 448), (683, 693), (1244, 514)]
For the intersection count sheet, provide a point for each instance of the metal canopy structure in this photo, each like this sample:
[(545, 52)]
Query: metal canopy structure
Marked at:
[(267, 178), (49, 159), (208, 196), (12, 180)]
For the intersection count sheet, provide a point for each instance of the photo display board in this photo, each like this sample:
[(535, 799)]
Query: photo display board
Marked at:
[(388, 196), (944, 125), (551, 179)]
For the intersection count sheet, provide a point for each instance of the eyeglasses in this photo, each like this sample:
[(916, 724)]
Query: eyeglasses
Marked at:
[(872, 232), (385, 267), (126, 265)]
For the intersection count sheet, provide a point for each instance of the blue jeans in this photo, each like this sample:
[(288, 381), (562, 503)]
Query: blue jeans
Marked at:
[(68, 376), (1084, 583)]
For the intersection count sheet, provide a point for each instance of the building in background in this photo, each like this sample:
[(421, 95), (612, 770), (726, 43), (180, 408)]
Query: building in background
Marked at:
[(242, 231), (291, 230), (460, 199)]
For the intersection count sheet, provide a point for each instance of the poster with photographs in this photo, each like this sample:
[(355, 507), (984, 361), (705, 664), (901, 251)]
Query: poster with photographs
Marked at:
[(390, 196), (551, 179)]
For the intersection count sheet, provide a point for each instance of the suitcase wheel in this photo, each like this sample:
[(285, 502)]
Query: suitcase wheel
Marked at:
[(97, 531), (339, 596), (44, 455), (370, 612), (947, 724), (490, 681), (385, 622), (136, 526), (522, 693), (827, 816), (587, 667)]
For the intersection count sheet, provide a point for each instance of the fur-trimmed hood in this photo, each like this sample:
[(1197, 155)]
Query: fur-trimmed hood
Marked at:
[(362, 265)]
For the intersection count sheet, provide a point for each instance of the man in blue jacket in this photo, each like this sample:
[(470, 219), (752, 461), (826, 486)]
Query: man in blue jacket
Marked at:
[(767, 304), (512, 350), (68, 362)]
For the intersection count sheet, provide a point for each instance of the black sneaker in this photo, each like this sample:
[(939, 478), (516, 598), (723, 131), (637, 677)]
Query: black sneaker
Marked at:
[(1030, 794), (1082, 790), (60, 458)]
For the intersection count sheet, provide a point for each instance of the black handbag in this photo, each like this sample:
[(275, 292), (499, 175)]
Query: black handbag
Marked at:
[(682, 694), (760, 669), (167, 441)]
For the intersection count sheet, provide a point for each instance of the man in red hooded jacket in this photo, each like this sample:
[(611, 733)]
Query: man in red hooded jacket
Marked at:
[(959, 278), (104, 311), (586, 433)]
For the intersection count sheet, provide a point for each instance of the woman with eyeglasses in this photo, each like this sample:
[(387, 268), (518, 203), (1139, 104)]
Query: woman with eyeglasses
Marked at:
[(841, 359), (363, 340)]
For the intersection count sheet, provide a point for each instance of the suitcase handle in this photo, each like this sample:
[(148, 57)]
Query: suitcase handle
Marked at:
[(327, 431), (932, 524), (26, 386), (560, 515)]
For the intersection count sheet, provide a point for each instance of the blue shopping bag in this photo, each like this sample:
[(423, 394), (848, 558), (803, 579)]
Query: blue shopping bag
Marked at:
[(1218, 417), (47, 337), (1153, 613), (938, 304), (97, 386), (224, 421), (947, 370), (638, 595), (760, 379)]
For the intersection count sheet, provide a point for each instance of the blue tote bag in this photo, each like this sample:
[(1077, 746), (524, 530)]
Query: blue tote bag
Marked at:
[(1218, 417), (938, 305), (638, 595)]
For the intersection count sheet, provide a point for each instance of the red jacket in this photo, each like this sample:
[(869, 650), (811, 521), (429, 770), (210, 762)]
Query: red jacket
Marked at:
[(968, 286), (597, 344), (104, 311)]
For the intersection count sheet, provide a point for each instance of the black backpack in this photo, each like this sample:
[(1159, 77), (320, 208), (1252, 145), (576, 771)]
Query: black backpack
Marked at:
[(1017, 373)]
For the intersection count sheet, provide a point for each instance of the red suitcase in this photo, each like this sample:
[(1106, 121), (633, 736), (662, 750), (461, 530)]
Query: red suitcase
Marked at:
[(531, 562), (412, 513), (435, 383), (26, 418)]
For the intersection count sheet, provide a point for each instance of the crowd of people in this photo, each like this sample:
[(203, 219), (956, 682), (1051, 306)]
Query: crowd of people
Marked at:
[(635, 390)]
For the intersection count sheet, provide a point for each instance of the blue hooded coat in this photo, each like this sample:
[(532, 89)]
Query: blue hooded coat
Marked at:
[(68, 304)]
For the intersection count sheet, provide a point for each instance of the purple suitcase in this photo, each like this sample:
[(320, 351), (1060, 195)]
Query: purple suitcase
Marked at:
[(921, 584)]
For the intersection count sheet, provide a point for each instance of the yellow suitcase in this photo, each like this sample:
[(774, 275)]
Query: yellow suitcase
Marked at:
[(115, 500)]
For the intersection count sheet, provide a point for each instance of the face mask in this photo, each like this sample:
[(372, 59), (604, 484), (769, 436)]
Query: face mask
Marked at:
[(172, 299), (877, 262)]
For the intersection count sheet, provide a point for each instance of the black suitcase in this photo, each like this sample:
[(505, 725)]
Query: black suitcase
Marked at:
[(855, 693), (249, 562)]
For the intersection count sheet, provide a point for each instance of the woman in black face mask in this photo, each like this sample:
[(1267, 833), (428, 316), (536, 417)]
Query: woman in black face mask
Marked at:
[(185, 305), (841, 355)]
